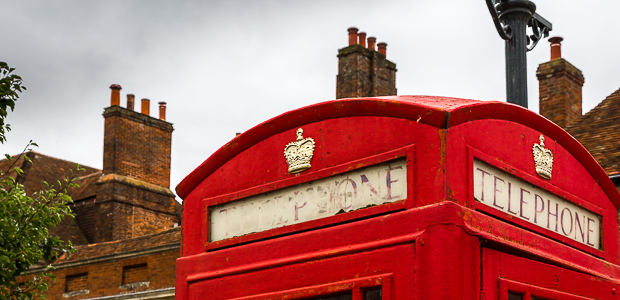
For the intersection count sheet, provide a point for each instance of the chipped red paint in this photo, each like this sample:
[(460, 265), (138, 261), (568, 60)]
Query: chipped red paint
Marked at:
[(439, 243)]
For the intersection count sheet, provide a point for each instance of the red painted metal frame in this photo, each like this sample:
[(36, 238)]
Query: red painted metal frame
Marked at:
[(506, 286), (504, 272), (319, 272), (354, 286), (406, 152)]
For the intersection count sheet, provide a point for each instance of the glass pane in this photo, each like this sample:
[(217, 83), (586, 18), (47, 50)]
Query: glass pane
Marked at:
[(373, 294), (339, 297), (513, 296)]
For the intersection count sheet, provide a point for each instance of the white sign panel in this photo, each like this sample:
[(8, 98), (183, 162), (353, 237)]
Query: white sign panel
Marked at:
[(322, 198), (514, 196)]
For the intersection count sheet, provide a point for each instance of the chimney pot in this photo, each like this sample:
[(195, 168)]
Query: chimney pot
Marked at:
[(382, 48), (556, 47), (352, 35), (146, 105), (130, 100), (372, 41), (162, 111), (362, 39), (115, 98)]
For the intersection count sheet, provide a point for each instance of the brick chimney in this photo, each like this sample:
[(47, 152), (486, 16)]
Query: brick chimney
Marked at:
[(132, 197), (137, 145), (560, 85), (364, 72)]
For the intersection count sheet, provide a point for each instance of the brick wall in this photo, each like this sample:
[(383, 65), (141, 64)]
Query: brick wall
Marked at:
[(137, 145), (364, 73), (560, 85), (138, 274), (135, 273), (146, 221), (122, 211), (77, 282)]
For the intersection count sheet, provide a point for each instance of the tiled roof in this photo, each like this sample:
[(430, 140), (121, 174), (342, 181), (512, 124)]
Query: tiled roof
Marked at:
[(44, 169), (87, 186), (49, 169), (599, 132), (69, 230), (7, 166), (170, 237)]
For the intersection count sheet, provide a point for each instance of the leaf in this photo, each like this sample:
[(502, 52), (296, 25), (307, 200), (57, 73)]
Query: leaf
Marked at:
[(25, 239)]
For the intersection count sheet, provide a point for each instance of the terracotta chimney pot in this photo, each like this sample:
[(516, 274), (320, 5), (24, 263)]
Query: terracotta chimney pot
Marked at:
[(362, 39), (372, 41), (115, 98), (146, 105), (130, 100), (352, 35), (556, 47), (162, 111), (382, 48)]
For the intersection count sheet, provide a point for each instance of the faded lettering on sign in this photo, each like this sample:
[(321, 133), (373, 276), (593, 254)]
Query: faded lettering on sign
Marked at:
[(514, 196), (322, 198)]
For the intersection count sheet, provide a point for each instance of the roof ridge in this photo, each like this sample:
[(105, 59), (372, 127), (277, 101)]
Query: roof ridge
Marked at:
[(610, 97), (89, 175), (56, 158)]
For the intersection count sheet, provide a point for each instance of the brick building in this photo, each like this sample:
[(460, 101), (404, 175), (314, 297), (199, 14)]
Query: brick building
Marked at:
[(126, 228)]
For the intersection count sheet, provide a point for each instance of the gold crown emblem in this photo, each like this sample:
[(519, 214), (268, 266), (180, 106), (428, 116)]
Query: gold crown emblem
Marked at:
[(299, 153), (543, 158)]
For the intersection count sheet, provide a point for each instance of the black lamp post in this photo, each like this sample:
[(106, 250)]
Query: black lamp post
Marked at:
[(511, 18)]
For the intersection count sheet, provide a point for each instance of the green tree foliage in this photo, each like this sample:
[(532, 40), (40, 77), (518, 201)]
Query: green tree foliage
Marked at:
[(10, 87), (26, 220)]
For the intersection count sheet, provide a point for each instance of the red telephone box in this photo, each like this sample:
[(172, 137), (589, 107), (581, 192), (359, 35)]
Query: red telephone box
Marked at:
[(400, 198)]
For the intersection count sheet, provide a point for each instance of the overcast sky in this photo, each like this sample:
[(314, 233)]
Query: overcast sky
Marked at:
[(225, 66)]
